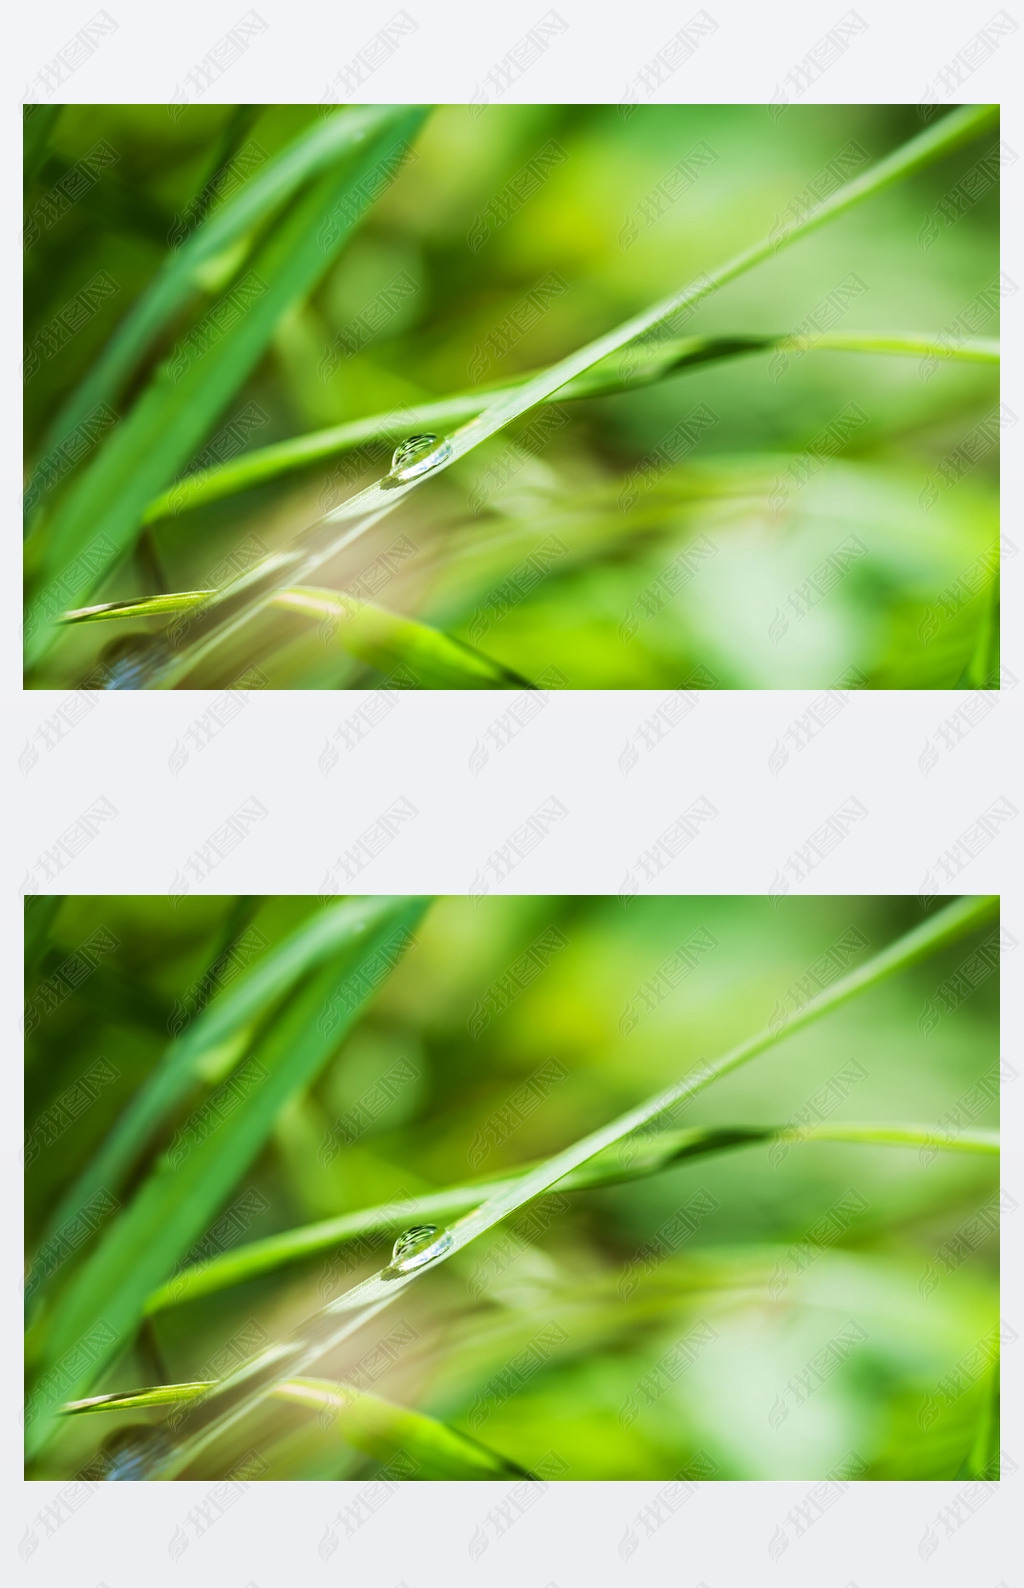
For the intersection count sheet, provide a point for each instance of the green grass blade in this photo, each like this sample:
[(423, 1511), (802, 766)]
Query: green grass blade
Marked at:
[(947, 135), (155, 606), (236, 128), (411, 654), (947, 926), (103, 1302), (180, 278), (973, 350), (354, 517), (932, 1136), (138, 1400), (339, 935), (654, 1156), (368, 1423), (95, 523), (264, 464), (381, 1429), (244, 1389)]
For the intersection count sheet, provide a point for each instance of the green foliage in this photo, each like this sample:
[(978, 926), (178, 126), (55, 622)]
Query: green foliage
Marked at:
[(189, 391), (213, 1147), (618, 542), (662, 1152), (511, 1038), (410, 655), (375, 1427)]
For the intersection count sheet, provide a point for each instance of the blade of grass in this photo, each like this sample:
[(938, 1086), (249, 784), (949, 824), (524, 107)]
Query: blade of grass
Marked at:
[(237, 126), (95, 523), (659, 1153), (338, 934), (401, 647), (152, 606), (247, 1386), (353, 518), (137, 1400), (654, 364), (412, 654), (381, 1429), (179, 279), (239, 916), (370, 1424), (103, 1302), (976, 350)]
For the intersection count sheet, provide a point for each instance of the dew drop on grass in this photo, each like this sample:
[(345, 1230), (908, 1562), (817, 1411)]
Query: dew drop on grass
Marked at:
[(416, 1248), (417, 456), (130, 1454), (131, 661)]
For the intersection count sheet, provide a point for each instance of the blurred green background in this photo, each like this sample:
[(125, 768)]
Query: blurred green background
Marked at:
[(515, 1026), (622, 211)]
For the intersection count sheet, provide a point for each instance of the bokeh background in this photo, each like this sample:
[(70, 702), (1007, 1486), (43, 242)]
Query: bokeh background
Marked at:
[(516, 1025), (621, 210)]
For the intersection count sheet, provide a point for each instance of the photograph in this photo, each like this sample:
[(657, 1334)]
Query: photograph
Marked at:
[(684, 1189), (512, 396)]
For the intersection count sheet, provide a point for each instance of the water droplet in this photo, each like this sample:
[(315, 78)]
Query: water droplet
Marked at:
[(129, 662), (416, 456), (130, 1454), (416, 1248)]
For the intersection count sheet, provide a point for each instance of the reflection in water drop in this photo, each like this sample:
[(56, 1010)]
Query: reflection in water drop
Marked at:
[(128, 1456), (416, 1248), (417, 456), (131, 661)]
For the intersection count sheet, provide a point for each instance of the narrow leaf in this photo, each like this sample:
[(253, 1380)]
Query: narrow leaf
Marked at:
[(179, 279), (240, 1391), (607, 378), (103, 1304), (96, 521), (339, 934), (652, 1156), (412, 654), (338, 529), (370, 1424)]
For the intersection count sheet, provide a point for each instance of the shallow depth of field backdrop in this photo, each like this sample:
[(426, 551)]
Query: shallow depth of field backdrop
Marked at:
[(775, 1309), (796, 516)]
